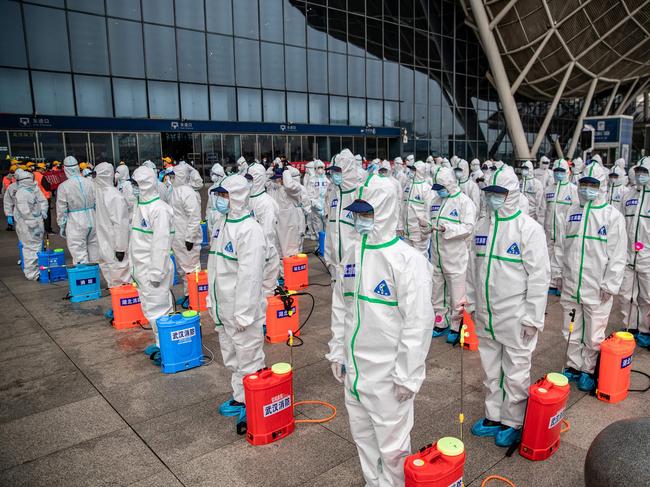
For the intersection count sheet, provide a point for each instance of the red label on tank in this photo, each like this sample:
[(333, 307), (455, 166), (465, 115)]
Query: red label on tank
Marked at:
[(277, 406)]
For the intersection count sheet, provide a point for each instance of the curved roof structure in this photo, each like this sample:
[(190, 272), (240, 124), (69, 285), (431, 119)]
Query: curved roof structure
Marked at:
[(540, 39)]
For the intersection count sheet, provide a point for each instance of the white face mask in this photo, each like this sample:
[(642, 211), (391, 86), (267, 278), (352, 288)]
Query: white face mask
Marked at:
[(320, 171), (643, 179), (495, 200), (363, 225), (525, 172)]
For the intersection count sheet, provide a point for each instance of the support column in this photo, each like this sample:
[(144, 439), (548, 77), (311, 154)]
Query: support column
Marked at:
[(581, 119), (611, 99), (513, 121)]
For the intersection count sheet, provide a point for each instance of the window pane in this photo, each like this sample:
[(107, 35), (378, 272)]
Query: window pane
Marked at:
[(318, 112), (88, 39), (223, 104), (375, 113), (218, 14), (295, 148), (279, 145), (296, 108), (272, 66), (53, 93), (249, 105), (14, 91), (149, 147), (271, 20), (130, 98), (338, 74), (12, 42), (274, 106), (191, 56), (189, 13), (221, 65), (337, 25), (158, 11), (194, 102), (51, 3), (317, 70), (294, 24), (231, 149), (93, 6), (247, 55), (93, 96), (317, 27), (391, 114), (163, 99), (338, 110), (124, 8), (245, 14), (47, 38), (357, 111), (160, 46), (373, 73), (357, 76), (296, 67), (391, 85), (127, 58)]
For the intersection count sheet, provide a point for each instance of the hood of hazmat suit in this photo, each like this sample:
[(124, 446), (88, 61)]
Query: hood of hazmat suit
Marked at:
[(30, 209), (533, 190), (414, 209)]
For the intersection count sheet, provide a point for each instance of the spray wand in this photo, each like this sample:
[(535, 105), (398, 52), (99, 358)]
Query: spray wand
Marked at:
[(461, 415), (572, 316), (638, 246)]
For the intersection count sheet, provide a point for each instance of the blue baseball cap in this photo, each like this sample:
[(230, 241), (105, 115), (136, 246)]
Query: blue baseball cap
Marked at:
[(360, 206), (589, 180), (495, 189), (277, 173), (437, 187)]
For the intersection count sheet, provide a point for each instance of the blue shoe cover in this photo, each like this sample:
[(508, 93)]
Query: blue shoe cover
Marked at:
[(151, 349), (480, 429), (439, 332), (181, 301), (156, 358), (572, 376), (109, 314), (643, 340), (586, 383), (280, 281), (507, 437), (230, 409), (452, 337)]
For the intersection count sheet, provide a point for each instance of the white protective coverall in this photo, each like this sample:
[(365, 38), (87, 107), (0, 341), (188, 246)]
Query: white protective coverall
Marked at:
[(533, 189), (636, 207), (211, 214), (577, 169), (291, 219), (242, 166), (113, 227), (475, 170), (415, 213), (589, 258), (543, 171), (150, 241), (9, 198), (559, 197), (507, 285), (316, 187), (235, 286), (265, 211), (400, 172), (75, 214), (456, 214), (186, 204), (362, 174), (384, 340), (467, 185), (398, 188), (124, 186), (621, 164), (195, 179), (30, 210), (310, 171), (617, 188)]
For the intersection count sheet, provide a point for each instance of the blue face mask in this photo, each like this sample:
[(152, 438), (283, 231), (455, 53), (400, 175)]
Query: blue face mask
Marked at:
[(495, 200), (363, 225), (559, 176), (643, 179), (337, 178), (589, 194), (443, 193), (222, 205)]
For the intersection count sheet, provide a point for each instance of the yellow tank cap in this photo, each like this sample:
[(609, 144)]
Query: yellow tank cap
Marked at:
[(281, 368), (58, 250), (450, 446), (302, 256), (624, 335), (418, 462), (190, 313), (253, 377), (557, 379)]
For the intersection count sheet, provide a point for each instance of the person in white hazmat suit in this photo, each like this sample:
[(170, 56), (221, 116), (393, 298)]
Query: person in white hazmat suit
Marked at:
[(30, 211), (288, 194), (195, 179), (560, 194), (400, 172), (385, 171), (616, 189), (507, 284), (149, 244), (533, 189), (361, 172), (310, 171), (475, 170), (217, 174), (235, 290), (466, 184), (242, 166), (75, 214), (415, 213), (588, 265), (452, 220), (543, 171), (113, 227), (187, 235), (379, 351), (636, 281), (123, 183), (620, 164), (316, 187), (9, 202)]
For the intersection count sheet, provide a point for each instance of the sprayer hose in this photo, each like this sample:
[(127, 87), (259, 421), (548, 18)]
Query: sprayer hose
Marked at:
[(320, 403)]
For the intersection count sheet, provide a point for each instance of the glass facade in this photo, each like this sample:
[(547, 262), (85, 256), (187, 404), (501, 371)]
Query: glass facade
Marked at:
[(410, 65)]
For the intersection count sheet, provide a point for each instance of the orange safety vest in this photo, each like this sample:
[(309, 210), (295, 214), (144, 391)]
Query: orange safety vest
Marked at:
[(38, 177), (6, 181)]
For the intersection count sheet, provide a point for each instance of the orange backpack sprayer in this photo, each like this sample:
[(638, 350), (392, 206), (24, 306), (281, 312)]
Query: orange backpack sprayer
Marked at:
[(615, 367), (282, 316), (471, 339), (127, 312), (296, 272), (197, 287)]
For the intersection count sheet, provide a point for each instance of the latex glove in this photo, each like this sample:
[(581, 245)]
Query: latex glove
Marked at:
[(558, 284), (10, 221), (155, 283), (189, 245), (604, 296), (119, 256), (528, 333), (426, 228), (239, 329), (402, 393), (338, 371)]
